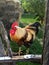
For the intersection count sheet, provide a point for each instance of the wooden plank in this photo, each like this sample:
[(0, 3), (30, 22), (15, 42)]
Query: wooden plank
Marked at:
[(31, 57)]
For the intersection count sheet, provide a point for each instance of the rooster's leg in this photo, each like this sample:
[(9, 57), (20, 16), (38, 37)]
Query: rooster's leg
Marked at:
[(27, 51), (19, 51)]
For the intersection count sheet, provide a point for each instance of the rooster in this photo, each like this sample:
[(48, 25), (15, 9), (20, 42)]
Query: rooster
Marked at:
[(24, 36)]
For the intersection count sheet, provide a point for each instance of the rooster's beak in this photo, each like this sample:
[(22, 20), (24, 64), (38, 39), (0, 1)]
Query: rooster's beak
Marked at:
[(17, 27)]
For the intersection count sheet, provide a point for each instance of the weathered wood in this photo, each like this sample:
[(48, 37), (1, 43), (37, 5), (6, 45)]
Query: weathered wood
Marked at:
[(31, 57), (5, 39), (2, 51), (46, 37)]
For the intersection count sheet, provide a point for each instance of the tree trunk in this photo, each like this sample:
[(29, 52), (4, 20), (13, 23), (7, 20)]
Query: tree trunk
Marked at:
[(46, 38)]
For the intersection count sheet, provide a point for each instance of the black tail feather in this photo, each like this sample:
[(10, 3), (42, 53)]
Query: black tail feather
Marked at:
[(35, 26)]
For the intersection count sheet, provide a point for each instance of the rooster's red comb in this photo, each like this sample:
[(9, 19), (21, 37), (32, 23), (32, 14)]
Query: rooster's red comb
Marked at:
[(15, 24)]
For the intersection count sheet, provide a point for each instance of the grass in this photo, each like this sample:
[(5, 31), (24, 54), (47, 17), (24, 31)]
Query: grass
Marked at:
[(35, 48), (40, 34), (27, 63), (28, 19)]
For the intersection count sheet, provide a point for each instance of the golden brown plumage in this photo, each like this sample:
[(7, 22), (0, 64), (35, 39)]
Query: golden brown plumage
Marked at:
[(19, 34), (24, 36)]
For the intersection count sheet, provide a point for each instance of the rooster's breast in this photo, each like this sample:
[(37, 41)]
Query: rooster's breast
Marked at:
[(20, 33)]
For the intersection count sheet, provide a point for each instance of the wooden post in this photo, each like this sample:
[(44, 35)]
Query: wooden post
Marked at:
[(5, 39), (3, 36), (46, 37)]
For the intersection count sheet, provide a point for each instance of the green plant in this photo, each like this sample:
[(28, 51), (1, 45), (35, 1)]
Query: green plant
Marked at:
[(27, 63)]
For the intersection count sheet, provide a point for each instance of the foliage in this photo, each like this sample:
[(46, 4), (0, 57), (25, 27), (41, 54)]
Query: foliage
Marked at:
[(40, 34), (28, 18), (14, 46), (34, 6), (25, 5), (36, 48), (27, 63)]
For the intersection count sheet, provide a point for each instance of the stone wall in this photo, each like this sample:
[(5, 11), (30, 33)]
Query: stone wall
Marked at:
[(10, 9)]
